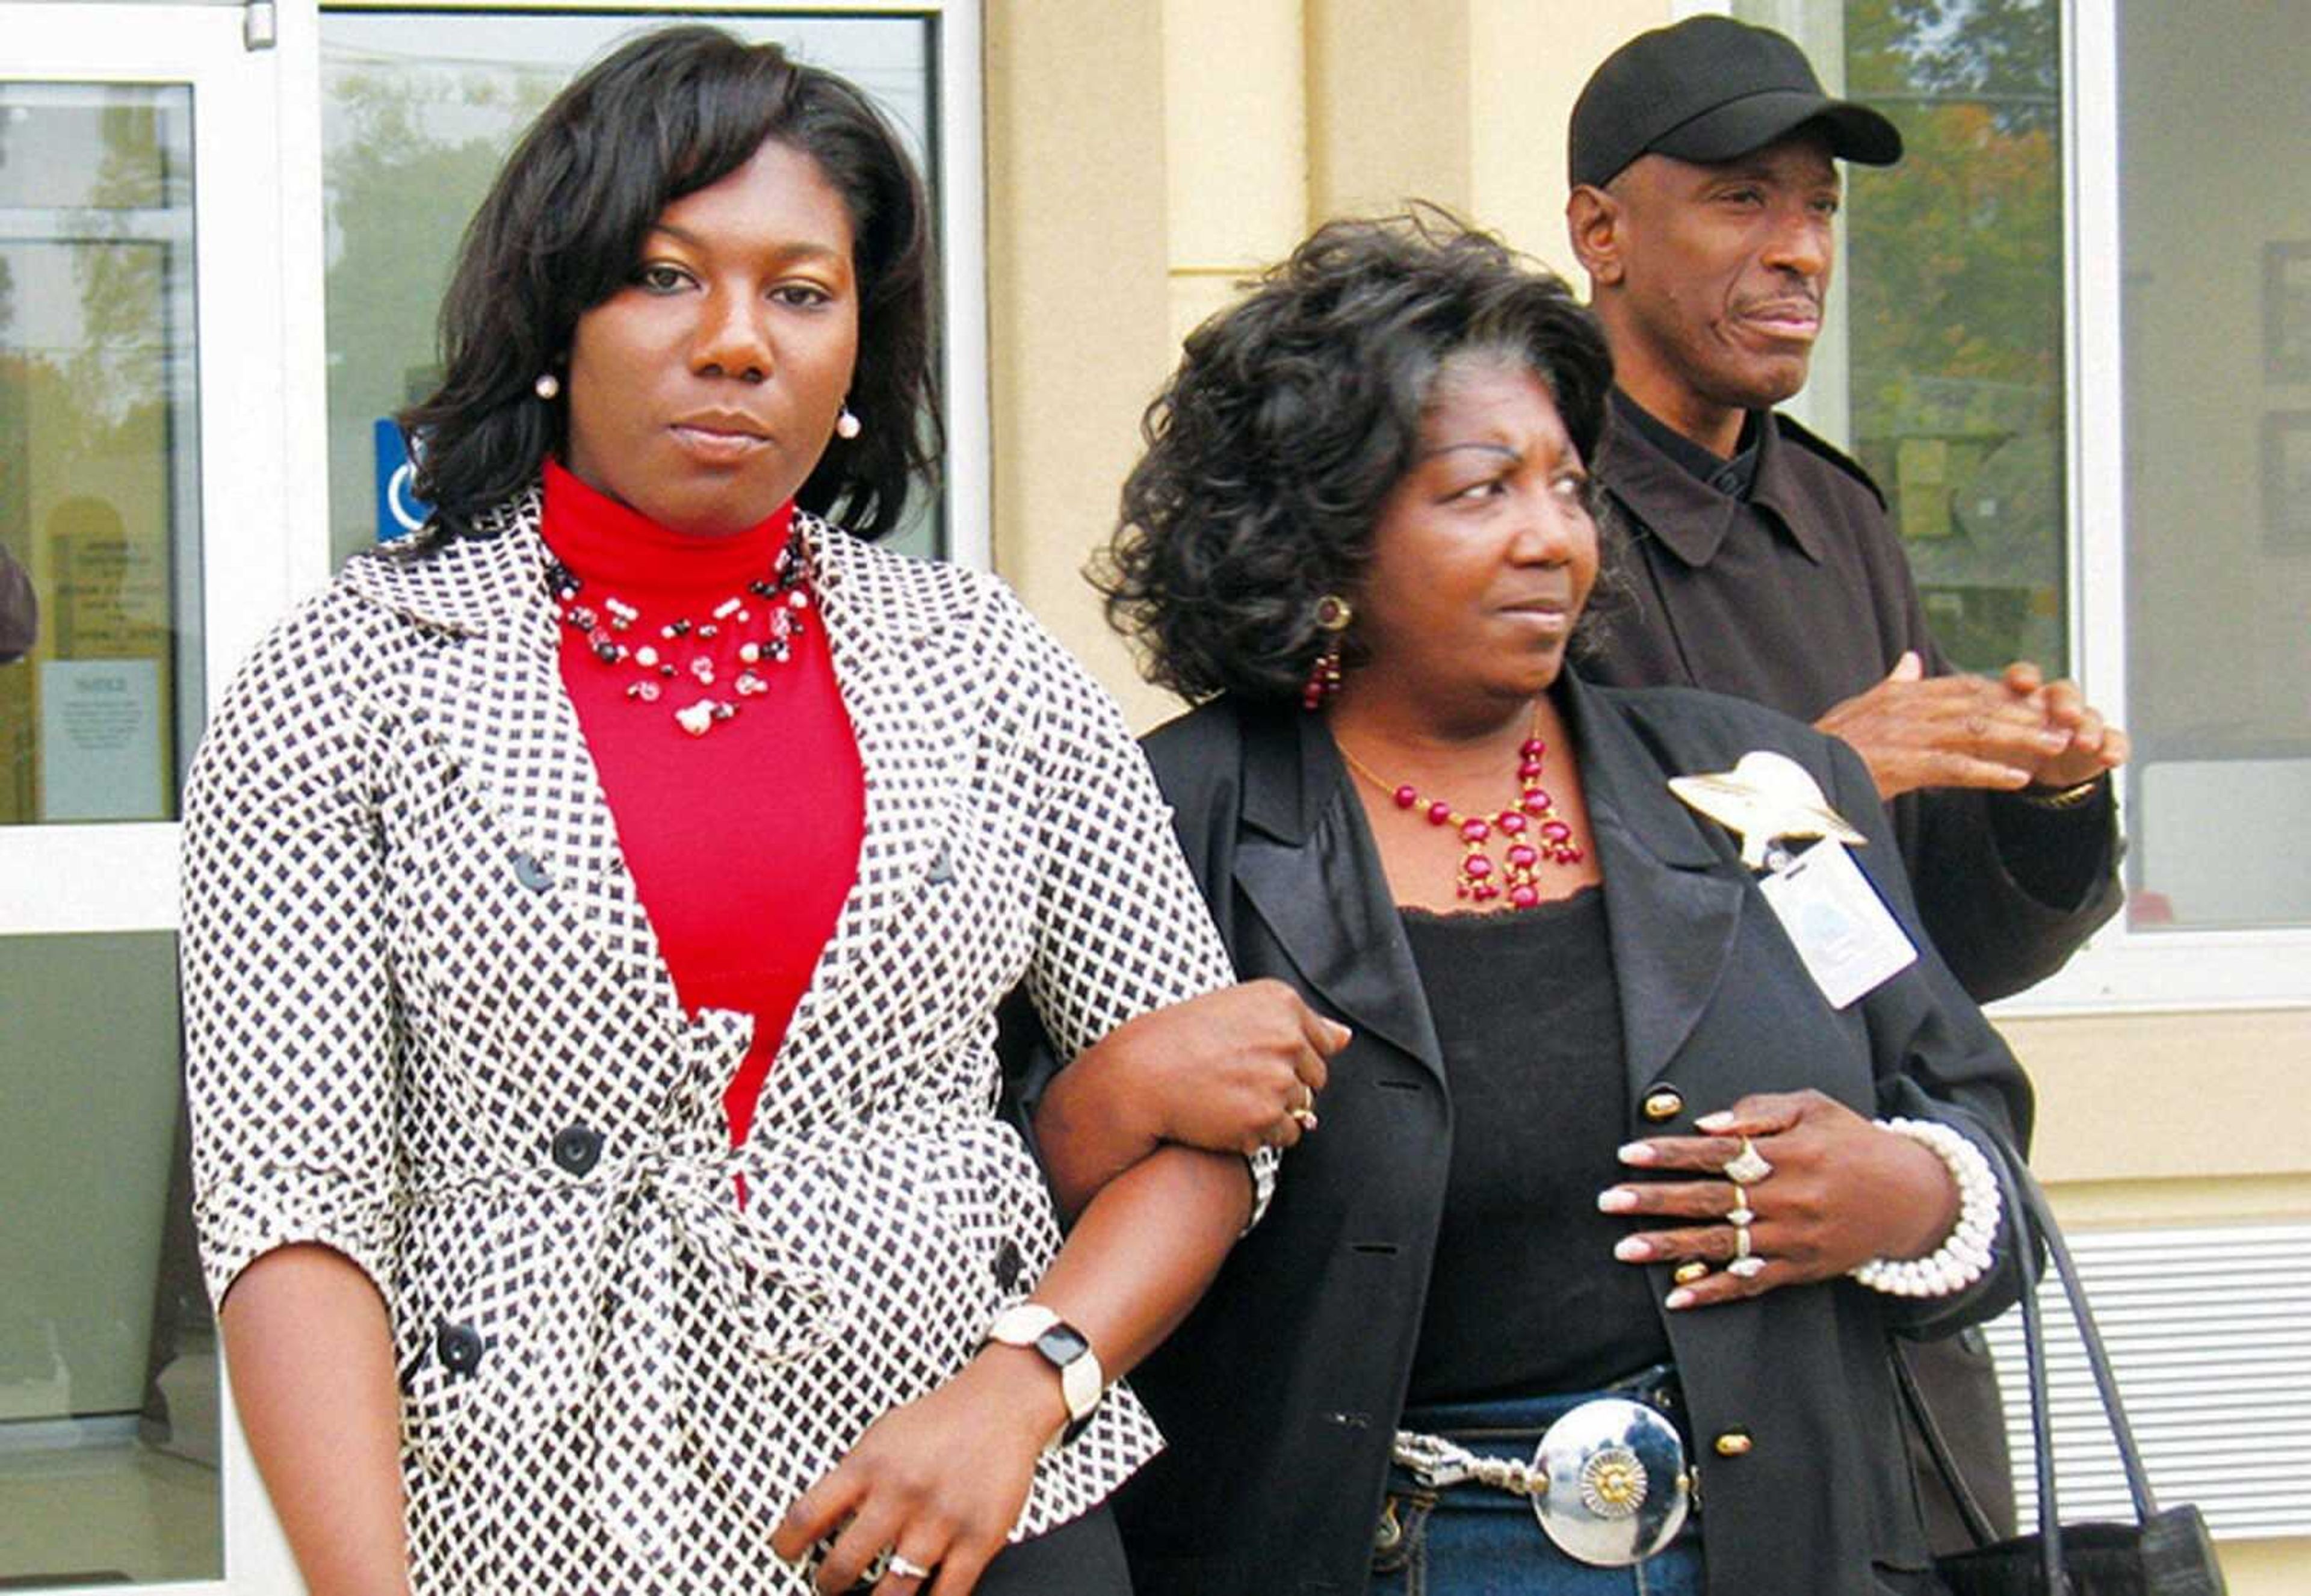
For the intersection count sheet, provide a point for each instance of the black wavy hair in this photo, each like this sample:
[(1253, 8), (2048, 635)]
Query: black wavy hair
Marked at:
[(670, 113), (1292, 416)]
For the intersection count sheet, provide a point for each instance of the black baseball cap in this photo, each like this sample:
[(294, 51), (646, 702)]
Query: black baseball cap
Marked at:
[(1707, 90)]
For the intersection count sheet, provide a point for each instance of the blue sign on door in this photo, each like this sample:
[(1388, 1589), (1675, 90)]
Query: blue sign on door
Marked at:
[(399, 511)]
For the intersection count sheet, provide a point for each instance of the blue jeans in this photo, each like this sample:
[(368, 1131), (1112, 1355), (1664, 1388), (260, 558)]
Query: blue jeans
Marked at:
[(1471, 1539)]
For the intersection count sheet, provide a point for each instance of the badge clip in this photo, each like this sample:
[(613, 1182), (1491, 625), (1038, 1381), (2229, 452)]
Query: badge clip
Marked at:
[(1765, 797)]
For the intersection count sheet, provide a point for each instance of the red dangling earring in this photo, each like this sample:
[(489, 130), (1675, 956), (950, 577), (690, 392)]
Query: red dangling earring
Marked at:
[(1333, 614)]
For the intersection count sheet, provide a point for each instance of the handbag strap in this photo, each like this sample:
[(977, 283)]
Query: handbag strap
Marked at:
[(2055, 1581), (2050, 1235), (2034, 1226), (1929, 1430), (2036, 1229)]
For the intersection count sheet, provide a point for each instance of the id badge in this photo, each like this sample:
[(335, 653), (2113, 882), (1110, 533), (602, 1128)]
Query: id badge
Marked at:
[(1841, 928)]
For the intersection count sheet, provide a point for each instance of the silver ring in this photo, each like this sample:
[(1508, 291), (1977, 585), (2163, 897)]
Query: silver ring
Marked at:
[(906, 1568), (1748, 1167), (1305, 1116), (1740, 1218), (1748, 1266)]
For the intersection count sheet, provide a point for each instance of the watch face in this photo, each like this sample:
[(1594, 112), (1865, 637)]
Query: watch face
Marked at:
[(1062, 1344)]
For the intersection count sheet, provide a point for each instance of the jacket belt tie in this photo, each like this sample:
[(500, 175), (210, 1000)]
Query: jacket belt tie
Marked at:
[(673, 1221)]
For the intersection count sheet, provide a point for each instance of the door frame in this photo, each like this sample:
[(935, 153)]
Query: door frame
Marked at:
[(99, 877)]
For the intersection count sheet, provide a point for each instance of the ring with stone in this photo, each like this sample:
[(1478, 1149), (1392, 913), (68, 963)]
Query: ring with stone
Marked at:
[(1748, 1167), (906, 1568), (1748, 1267), (1305, 1111)]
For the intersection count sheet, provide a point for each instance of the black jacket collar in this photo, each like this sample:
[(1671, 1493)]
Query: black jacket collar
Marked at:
[(1309, 867), (1691, 519)]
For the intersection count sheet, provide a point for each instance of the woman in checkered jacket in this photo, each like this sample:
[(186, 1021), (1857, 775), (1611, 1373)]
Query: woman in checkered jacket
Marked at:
[(595, 913)]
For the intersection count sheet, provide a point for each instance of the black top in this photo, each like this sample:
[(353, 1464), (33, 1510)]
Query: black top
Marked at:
[(1525, 1297), (1779, 579)]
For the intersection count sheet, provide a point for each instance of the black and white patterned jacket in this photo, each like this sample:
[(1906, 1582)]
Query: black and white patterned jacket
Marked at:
[(428, 1024)]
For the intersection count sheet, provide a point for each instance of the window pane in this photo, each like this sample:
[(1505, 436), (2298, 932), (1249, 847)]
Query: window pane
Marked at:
[(1956, 306), (1953, 303), (100, 506), (108, 1391), (418, 108), (2216, 240)]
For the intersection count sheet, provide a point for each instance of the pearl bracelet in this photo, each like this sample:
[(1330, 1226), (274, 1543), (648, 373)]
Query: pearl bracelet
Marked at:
[(1965, 1253)]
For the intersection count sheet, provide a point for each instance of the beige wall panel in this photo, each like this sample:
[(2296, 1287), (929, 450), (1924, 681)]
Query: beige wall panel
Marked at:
[(2266, 1568), (1389, 114), (1526, 61), (2154, 1205), (1195, 296), (2161, 1097), (1236, 131), (1078, 314)]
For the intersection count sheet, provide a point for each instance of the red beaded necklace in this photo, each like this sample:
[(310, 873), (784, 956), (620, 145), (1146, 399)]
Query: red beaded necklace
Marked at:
[(1531, 827)]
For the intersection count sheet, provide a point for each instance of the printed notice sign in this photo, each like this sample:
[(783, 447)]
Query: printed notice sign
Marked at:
[(100, 739)]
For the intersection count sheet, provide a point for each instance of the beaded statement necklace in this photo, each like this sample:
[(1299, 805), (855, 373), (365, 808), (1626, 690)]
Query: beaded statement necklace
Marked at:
[(1532, 828), (745, 633)]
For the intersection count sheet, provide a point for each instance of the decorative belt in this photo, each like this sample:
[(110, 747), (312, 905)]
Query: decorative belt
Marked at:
[(1609, 1481)]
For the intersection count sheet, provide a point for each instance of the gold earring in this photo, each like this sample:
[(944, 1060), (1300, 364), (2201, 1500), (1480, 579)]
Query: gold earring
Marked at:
[(1333, 614)]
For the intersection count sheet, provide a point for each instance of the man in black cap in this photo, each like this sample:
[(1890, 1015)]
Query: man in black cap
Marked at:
[(1705, 184)]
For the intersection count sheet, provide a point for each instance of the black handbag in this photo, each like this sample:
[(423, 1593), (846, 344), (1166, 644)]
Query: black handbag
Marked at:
[(2167, 1553)]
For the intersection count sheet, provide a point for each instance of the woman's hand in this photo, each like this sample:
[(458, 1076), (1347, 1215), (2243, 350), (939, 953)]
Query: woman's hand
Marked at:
[(939, 1481), (1842, 1192), (1228, 1072)]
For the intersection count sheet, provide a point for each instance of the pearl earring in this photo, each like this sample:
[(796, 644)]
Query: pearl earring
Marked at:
[(848, 426), (547, 385)]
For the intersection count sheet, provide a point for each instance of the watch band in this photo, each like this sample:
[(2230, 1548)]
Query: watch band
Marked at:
[(1082, 1383), (2063, 797)]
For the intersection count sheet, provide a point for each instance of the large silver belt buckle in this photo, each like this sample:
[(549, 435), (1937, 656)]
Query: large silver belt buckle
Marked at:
[(1619, 1488)]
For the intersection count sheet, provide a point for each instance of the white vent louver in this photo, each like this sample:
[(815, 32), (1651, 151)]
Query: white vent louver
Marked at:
[(2210, 1332)]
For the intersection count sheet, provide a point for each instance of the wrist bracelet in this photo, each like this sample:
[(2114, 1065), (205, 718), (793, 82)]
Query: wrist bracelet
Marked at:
[(1965, 1253), (2068, 797), (1082, 1382)]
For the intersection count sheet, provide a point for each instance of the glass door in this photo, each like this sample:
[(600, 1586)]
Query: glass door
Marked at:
[(140, 544)]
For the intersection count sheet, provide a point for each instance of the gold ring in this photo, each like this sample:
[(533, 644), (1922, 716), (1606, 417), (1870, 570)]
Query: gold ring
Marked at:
[(1687, 1273), (1305, 1116)]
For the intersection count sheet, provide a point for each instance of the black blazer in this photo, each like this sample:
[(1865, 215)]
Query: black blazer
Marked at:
[(1279, 1395)]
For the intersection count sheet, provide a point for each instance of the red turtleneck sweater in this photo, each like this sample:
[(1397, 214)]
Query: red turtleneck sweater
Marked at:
[(744, 842)]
